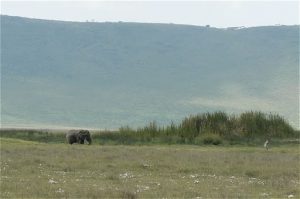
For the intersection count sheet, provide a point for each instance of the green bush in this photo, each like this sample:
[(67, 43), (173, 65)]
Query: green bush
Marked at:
[(208, 138), (258, 124)]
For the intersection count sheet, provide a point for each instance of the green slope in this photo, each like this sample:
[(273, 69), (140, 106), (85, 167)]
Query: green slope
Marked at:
[(104, 75)]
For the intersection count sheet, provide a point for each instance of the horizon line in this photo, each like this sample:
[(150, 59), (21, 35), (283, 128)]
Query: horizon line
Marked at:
[(138, 22)]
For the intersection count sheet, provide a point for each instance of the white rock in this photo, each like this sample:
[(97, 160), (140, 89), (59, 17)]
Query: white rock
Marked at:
[(60, 190), (51, 181)]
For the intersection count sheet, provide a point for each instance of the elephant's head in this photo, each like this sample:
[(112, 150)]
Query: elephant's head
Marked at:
[(84, 135)]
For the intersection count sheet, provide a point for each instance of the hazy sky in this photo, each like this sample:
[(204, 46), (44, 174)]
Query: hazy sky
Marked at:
[(217, 13)]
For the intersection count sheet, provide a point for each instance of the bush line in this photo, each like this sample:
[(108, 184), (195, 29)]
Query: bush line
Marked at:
[(205, 128)]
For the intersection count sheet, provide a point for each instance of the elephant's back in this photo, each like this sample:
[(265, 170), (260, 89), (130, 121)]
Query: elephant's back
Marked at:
[(72, 132)]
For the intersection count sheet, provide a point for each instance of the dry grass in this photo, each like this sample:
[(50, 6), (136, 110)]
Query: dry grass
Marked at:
[(33, 170)]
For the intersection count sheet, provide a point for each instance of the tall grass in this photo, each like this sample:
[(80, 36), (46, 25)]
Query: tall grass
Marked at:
[(204, 128), (211, 128), (248, 124)]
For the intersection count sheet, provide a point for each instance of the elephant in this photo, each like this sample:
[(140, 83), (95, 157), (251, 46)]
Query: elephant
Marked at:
[(78, 136)]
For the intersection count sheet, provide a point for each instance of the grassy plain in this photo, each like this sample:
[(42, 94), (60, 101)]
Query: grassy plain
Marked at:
[(40, 170)]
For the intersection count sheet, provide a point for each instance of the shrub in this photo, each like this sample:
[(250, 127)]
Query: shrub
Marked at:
[(252, 173), (257, 124), (208, 138)]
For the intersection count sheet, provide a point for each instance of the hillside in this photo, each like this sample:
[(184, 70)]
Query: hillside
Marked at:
[(105, 75)]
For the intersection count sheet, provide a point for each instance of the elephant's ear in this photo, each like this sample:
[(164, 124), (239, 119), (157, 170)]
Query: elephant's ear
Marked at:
[(86, 132), (83, 134), (80, 134)]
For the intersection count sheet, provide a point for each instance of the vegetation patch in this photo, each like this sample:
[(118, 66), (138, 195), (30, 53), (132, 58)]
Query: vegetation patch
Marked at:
[(208, 138), (44, 170), (216, 128)]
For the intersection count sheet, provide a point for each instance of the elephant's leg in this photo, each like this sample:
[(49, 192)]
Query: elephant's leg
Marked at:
[(70, 140)]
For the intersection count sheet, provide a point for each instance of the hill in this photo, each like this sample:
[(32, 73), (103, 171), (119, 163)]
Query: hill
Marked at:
[(106, 75)]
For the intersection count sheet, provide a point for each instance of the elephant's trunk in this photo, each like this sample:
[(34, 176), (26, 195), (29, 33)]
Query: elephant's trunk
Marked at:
[(89, 140)]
